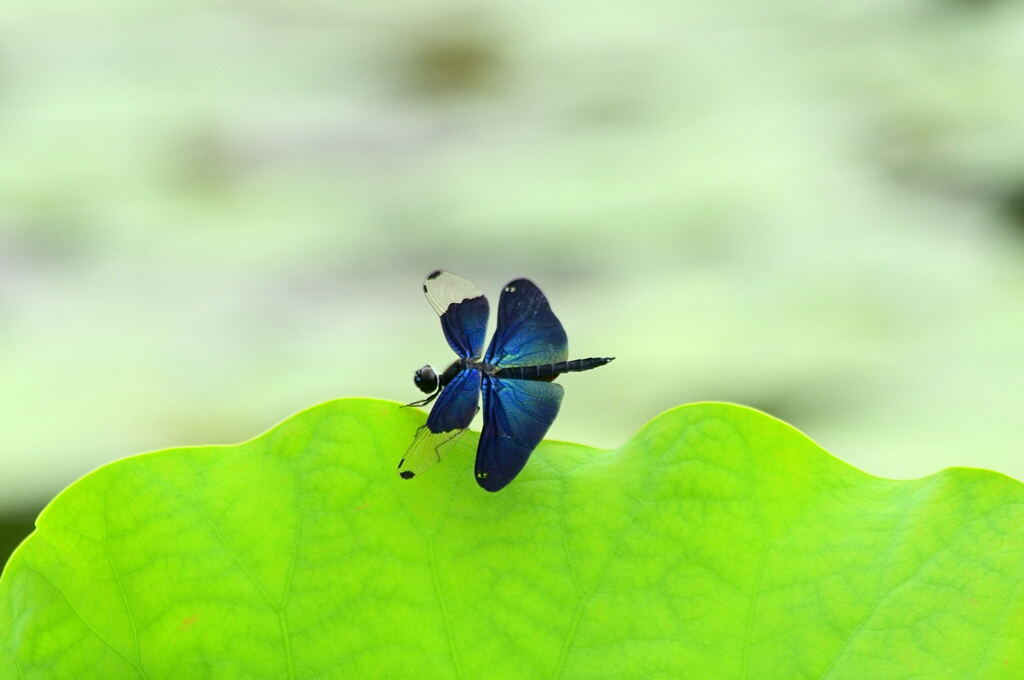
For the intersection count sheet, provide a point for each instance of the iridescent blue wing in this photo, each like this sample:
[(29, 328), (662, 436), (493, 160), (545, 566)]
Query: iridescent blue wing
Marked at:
[(529, 333), (517, 415), (463, 310), (452, 413), (457, 403)]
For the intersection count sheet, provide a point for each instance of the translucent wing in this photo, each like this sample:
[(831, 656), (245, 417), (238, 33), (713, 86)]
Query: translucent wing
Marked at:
[(517, 415), (452, 413), (529, 333), (427, 449), (463, 310)]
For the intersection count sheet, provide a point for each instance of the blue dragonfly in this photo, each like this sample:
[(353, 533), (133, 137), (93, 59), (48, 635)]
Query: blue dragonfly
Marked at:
[(528, 351)]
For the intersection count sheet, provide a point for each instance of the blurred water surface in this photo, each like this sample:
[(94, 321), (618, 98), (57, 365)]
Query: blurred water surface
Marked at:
[(213, 214)]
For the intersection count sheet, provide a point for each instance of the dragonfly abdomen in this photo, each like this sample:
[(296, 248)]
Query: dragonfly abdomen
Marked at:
[(547, 371)]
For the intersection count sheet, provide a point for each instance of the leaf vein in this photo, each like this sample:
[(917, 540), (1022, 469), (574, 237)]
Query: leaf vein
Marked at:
[(120, 585), (81, 618)]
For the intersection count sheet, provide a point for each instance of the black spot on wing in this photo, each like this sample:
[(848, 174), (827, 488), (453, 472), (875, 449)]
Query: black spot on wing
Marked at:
[(434, 274), (406, 474)]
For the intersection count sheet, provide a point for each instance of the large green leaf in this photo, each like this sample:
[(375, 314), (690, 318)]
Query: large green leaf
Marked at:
[(718, 543)]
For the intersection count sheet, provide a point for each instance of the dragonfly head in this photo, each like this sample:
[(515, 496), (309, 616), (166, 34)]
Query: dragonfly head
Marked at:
[(425, 379)]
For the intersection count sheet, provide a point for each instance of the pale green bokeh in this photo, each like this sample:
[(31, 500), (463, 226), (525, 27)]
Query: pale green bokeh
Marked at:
[(717, 544), (213, 215)]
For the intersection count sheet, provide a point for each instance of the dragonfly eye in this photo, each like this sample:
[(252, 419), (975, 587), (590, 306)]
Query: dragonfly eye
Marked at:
[(425, 379)]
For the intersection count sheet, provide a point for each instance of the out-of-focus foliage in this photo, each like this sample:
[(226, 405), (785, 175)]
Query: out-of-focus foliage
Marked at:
[(716, 543), (214, 214)]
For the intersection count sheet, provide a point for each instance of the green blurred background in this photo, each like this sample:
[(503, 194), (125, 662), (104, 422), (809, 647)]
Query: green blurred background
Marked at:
[(214, 214)]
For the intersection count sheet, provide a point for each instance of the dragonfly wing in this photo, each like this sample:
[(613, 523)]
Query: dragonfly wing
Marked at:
[(528, 333), (517, 415), (426, 451), (452, 413), (457, 404), (463, 310)]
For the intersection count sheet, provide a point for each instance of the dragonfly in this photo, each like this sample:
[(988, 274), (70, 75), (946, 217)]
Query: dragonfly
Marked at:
[(528, 351)]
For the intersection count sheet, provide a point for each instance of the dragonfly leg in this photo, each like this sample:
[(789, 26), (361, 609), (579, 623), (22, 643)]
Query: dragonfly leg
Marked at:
[(423, 402)]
